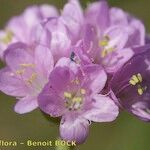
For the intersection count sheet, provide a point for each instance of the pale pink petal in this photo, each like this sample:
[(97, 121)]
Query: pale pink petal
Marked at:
[(26, 104), (103, 109), (74, 128)]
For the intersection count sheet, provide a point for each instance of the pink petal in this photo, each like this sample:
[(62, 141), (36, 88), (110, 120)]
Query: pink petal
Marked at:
[(50, 102), (103, 109), (72, 16), (60, 41), (95, 78), (66, 62), (17, 54), (118, 36), (118, 60), (26, 104), (43, 60), (11, 85), (48, 11), (74, 129), (118, 16)]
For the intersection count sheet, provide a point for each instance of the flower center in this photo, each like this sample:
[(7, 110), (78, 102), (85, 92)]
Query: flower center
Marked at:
[(137, 80), (73, 101), (22, 70), (107, 49)]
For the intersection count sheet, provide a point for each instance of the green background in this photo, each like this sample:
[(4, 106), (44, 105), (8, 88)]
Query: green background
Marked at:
[(126, 133)]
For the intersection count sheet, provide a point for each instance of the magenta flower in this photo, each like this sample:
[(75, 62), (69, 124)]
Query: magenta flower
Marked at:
[(74, 94), (131, 85), (26, 72), (21, 28)]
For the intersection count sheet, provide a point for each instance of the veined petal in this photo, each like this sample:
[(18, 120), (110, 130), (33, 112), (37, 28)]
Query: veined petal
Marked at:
[(11, 85), (35, 14), (16, 26), (17, 54), (26, 105), (66, 62), (43, 60), (60, 41), (73, 128), (60, 78), (103, 17), (97, 14), (103, 109), (136, 33), (72, 17), (118, 36), (95, 78), (142, 110), (48, 11), (51, 102), (41, 35), (119, 59), (118, 17)]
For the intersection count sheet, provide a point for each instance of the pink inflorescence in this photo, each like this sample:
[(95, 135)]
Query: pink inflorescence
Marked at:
[(79, 65)]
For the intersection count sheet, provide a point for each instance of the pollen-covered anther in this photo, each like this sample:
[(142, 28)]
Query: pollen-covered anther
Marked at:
[(140, 77), (83, 91), (135, 79), (107, 51), (20, 72), (25, 65), (104, 42), (76, 81), (77, 100), (32, 78), (72, 102), (140, 91), (67, 95), (106, 48)]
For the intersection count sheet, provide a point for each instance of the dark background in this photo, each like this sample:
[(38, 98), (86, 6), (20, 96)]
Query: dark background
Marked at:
[(126, 133)]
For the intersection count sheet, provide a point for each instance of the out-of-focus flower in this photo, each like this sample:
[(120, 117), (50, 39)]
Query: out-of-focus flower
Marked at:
[(109, 35), (131, 85), (20, 28), (73, 93), (62, 32), (26, 72)]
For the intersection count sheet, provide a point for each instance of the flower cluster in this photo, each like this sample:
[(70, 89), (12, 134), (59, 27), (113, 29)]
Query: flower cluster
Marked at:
[(80, 66)]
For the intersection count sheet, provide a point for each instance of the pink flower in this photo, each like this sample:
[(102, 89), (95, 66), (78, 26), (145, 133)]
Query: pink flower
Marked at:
[(21, 28), (26, 72), (74, 94)]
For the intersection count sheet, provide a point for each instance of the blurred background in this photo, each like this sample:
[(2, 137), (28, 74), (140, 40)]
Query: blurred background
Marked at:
[(126, 133)]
